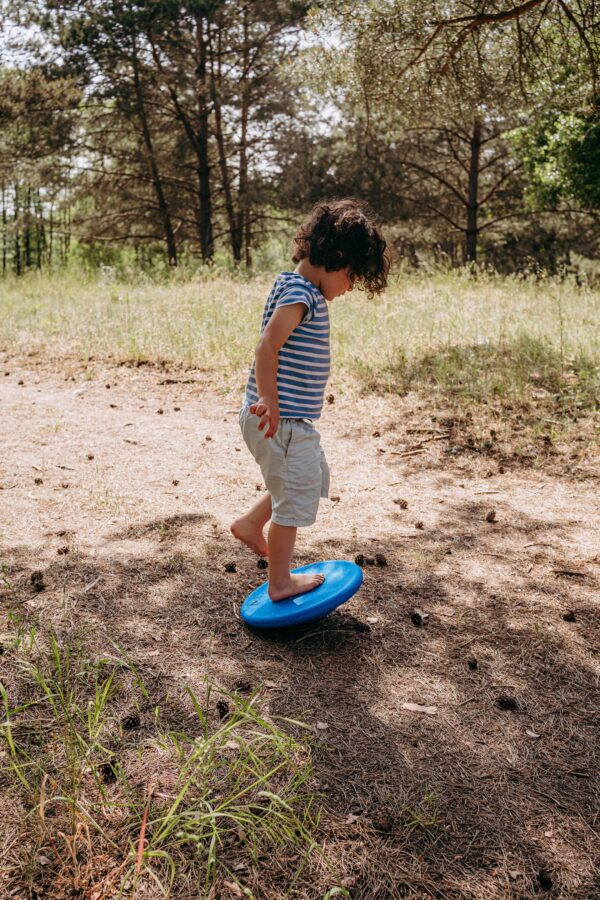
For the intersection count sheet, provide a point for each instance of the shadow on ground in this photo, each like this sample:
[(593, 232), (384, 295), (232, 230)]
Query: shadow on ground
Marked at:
[(493, 793)]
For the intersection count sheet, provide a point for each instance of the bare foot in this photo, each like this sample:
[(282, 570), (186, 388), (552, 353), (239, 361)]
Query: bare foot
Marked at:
[(250, 535), (298, 584)]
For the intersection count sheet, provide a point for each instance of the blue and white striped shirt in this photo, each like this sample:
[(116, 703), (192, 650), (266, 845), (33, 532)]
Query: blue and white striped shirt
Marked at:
[(304, 359)]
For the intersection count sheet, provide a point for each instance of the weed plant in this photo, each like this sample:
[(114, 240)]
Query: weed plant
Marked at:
[(118, 806)]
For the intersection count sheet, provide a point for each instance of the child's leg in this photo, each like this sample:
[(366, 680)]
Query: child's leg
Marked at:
[(282, 583), (249, 527)]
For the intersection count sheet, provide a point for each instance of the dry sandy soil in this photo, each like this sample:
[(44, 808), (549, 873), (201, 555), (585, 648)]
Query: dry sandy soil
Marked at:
[(120, 487)]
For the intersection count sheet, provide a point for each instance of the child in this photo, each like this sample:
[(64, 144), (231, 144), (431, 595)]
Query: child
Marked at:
[(336, 248)]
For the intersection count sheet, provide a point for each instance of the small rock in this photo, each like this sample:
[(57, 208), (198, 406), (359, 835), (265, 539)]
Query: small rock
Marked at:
[(419, 618), (262, 563), (20, 382), (322, 726), (569, 616), (230, 567), (107, 386), (176, 409), (472, 664), (159, 412), (491, 516), (208, 438), (420, 708), (90, 456)]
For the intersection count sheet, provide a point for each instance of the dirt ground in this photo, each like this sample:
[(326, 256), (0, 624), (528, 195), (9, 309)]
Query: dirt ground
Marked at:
[(120, 484)]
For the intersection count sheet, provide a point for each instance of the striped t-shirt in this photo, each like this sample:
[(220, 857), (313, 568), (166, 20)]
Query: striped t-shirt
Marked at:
[(303, 362)]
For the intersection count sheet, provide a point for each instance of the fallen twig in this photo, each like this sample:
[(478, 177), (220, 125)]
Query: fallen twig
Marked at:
[(92, 584), (140, 851), (409, 452)]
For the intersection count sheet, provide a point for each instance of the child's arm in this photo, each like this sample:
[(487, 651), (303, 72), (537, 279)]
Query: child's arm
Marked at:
[(280, 326)]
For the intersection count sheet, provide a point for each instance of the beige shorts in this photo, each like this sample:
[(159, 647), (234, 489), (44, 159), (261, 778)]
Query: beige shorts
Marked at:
[(293, 466)]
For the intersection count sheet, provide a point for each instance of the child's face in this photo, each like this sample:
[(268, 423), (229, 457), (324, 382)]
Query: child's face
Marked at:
[(334, 284)]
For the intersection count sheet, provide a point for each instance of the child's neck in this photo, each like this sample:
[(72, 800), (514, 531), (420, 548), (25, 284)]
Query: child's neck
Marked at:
[(307, 270)]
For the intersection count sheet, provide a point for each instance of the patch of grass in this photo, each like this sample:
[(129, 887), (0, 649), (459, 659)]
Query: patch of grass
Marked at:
[(520, 371), (117, 804), (213, 322), (518, 398)]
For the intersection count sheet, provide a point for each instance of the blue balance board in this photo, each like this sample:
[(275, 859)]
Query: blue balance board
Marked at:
[(342, 580)]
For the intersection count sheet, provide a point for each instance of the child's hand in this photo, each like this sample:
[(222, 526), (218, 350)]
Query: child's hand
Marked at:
[(268, 412)]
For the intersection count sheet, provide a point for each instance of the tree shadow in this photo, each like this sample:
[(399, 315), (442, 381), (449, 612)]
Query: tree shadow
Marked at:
[(471, 800)]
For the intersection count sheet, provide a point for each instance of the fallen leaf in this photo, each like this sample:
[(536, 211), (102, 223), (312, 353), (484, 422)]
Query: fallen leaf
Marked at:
[(234, 888), (514, 873), (372, 620), (532, 734), (271, 684), (416, 707), (322, 726)]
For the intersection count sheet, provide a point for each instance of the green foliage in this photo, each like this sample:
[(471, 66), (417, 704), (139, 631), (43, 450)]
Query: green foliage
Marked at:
[(561, 152)]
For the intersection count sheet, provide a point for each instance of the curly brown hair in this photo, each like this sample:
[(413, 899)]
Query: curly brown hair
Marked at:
[(337, 234)]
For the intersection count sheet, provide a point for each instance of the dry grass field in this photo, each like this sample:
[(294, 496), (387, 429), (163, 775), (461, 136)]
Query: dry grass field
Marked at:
[(436, 737)]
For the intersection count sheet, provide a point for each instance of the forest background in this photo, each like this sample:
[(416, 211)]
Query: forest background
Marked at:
[(158, 134)]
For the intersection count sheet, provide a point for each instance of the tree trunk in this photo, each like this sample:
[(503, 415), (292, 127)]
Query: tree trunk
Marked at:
[(243, 214), (215, 82), (17, 258), (152, 161), (207, 247), (27, 234), (40, 230), (473, 205), (4, 235), (247, 240)]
